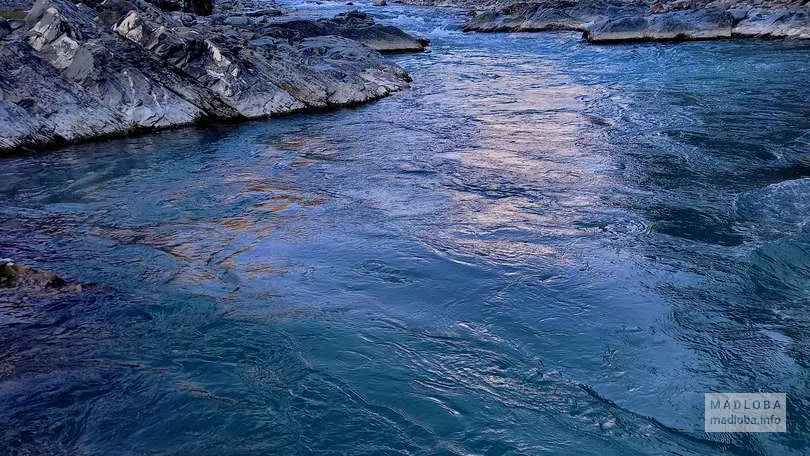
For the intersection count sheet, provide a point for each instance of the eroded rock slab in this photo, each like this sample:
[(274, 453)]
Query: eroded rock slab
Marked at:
[(672, 26), (550, 15), (354, 25), (615, 21), (76, 71), (790, 23)]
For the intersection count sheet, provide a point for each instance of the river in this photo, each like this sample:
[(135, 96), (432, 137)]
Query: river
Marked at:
[(542, 247)]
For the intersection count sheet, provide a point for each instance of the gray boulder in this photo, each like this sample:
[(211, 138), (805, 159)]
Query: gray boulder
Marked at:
[(738, 14), (703, 24), (353, 25), (550, 15), (773, 23), (237, 20), (698, 24), (614, 21)]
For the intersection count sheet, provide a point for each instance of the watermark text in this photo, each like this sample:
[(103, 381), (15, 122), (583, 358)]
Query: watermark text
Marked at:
[(746, 412)]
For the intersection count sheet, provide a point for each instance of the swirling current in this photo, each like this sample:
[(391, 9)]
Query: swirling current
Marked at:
[(542, 247)]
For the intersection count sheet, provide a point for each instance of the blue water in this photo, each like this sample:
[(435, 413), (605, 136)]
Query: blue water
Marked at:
[(543, 247)]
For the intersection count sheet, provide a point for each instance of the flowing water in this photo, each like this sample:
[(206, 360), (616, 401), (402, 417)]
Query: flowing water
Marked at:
[(543, 247)]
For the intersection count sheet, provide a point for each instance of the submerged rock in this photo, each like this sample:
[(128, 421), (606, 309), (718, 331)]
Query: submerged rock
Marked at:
[(76, 71), (713, 21), (24, 281)]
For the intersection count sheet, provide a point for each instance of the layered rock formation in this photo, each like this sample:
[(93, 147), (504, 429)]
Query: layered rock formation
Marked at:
[(610, 21), (353, 25), (74, 71), (550, 15), (717, 20)]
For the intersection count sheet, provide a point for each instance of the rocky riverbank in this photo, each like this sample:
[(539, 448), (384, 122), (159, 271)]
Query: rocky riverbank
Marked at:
[(76, 71), (612, 21), (676, 21)]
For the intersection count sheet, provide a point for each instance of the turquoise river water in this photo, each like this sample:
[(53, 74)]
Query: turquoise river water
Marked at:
[(542, 247)]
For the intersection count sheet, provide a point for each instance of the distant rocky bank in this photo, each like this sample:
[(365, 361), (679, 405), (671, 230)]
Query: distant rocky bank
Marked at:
[(75, 71), (614, 21)]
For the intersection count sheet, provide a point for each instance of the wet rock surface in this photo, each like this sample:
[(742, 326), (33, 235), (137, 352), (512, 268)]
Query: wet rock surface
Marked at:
[(18, 282), (75, 71), (671, 26), (353, 25), (612, 21), (717, 20), (549, 15)]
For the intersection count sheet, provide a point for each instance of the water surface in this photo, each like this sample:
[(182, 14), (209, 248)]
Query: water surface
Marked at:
[(543, 247)]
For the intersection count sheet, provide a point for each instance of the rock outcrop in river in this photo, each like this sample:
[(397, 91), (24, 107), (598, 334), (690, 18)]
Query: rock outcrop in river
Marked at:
[(610, 21), (74, 71), (716, 20), (19, 283), (353, 25)]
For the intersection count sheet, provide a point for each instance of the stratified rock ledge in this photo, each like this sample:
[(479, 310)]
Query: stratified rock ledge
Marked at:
[(703, 24), (77, 71), (354, 25), (617, 21), (549, 15)]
